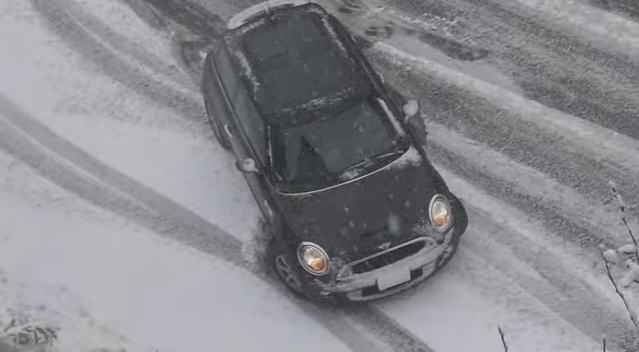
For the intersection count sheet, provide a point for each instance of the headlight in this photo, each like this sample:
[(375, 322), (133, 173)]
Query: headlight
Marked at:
[(440, 213), (313, 258)]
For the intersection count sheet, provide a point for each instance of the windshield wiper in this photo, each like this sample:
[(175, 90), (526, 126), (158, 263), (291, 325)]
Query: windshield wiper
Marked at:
[(372, 159), (385, 155)]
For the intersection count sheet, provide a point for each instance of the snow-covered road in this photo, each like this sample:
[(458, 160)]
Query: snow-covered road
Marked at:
[(125, 225)]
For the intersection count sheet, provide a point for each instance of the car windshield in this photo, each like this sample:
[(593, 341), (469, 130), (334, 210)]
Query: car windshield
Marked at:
[(346, 145)]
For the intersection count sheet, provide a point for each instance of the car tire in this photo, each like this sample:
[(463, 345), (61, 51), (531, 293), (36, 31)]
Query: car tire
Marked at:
[(217, 129), (285, 268), (291, 274)]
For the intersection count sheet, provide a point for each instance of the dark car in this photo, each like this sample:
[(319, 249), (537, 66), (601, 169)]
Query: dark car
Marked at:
[(335, 159)]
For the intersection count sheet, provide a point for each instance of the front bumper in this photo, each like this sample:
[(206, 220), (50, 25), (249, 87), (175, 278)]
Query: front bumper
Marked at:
[(409, 271)]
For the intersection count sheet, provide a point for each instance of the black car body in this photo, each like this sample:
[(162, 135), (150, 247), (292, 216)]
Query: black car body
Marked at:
[(344, 183)]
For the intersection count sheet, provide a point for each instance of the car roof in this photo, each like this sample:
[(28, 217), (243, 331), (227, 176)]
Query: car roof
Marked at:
[(250, 12), (296, 65)]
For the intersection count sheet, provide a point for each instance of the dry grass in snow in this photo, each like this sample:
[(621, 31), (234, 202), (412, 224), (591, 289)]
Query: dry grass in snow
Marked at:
[(622, 263)]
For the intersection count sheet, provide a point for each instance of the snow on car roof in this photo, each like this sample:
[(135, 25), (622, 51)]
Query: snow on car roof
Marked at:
[(246, 14), (294, 59)]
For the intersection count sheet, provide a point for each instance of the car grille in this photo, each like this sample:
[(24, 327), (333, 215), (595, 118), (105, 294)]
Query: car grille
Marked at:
[(380, 260)]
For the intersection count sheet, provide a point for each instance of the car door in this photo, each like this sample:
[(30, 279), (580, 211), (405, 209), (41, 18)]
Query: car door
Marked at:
[(243, 125), (252, 144)]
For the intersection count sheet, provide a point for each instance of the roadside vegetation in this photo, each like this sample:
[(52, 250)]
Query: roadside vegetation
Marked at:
[(622, 263), (621, 266)]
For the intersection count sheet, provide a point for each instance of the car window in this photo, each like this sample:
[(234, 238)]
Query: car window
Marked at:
[(251, 122), (296, 62), (225, 71), (326, 152), (339, 142)]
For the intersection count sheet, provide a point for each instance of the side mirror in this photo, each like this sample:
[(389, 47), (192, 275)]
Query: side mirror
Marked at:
[(415, 122), (411, 108), (246, 166)]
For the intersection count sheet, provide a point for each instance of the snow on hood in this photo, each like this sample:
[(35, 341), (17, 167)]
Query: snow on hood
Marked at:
[(351, 174)]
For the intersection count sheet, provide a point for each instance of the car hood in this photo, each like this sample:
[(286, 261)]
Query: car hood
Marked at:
[(384, 208)]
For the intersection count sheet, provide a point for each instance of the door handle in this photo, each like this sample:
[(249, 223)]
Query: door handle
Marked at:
[(227, 129), (268, 208)]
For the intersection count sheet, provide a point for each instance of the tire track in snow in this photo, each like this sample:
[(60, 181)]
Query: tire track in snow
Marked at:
[(74, 29), (395, 336), (573, 152), (120, 42), (629, 8), (458, 110), (190, 15), (498, 167), (378, 324), (596, 139), (78, 172), (467, 98), (519, 249), (527, 189), (373, 324), (561, 71), (591, 329), (618, 150), (607, 29), (196, 30), (566, 71), (59, 161)]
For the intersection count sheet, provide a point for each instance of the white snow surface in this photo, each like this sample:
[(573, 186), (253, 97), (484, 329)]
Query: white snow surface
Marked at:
[(528, 180), (610, 255), (591, 23), (597, 140), (628, 248), (631, 275), (154, 145)]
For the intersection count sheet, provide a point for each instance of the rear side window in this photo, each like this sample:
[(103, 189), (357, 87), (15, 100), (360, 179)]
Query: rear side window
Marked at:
[(226, 73), (251, 122), (249, 119)]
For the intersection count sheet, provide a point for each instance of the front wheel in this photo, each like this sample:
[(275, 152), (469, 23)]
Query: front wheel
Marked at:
[(287, 274), (285, 269), (288, 271)]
